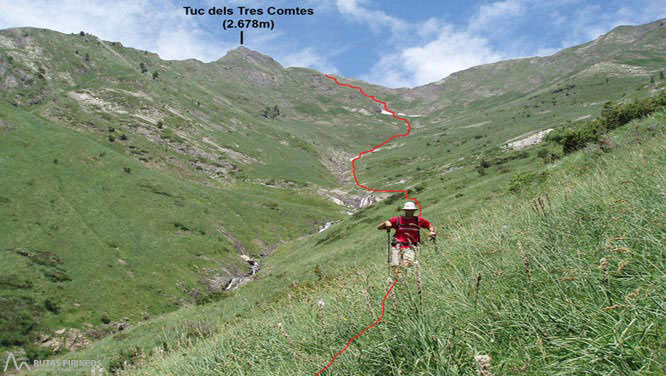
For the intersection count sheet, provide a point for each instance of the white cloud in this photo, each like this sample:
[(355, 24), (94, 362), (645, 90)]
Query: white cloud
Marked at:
[(159, 27), (437, 49), (375, 19), (449, 52), (490, 15), (309, 58), (441, 48), (591, 21)]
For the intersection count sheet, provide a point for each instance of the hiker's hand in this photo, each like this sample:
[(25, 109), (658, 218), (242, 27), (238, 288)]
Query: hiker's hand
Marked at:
[(433, 236)]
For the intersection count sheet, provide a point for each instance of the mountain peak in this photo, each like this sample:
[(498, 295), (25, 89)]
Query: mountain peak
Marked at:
[(251, 56)]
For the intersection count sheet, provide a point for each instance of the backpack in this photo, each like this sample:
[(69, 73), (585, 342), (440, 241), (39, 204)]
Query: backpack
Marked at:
[(409, 227)]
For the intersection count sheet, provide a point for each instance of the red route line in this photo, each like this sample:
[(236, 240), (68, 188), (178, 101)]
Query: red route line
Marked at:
[(359, 156), (360, 333)]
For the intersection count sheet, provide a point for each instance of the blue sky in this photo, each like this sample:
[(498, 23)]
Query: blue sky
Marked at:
[(394, 43)]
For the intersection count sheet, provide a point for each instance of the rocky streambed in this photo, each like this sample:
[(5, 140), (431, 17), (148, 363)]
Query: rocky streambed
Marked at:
[(238, 281)]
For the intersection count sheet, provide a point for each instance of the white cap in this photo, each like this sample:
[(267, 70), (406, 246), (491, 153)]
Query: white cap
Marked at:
[(409, 206)]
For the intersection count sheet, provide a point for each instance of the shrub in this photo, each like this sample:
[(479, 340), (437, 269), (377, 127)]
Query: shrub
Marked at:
[(269, 113), (547, 156), (13, 281), (612, 116), (105, 319), (124, 358), (57, 276), (481, 170), (123, 137), (19, 316), (522, 154), (34, 352), (573, 139), (522, 181), (270, 205), (51, 306), (37, 256), (155, 75), (111, 138)]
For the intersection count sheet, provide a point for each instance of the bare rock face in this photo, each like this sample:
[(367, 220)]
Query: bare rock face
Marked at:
[(217, 283), (65, 339), (528, 141), (75, 340)]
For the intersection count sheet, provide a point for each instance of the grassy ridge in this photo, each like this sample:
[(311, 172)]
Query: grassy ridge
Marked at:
[(120, 239), (570, 287), (568, 284)]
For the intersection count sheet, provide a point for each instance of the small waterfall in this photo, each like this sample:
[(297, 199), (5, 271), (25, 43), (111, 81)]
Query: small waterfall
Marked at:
[(326, 226), (239, 281), (366, 201)]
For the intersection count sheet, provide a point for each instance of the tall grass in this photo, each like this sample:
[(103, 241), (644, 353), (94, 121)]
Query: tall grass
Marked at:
[(573, 287)]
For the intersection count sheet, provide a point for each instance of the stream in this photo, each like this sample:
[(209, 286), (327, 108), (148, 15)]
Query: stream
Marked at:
[(239, 281)]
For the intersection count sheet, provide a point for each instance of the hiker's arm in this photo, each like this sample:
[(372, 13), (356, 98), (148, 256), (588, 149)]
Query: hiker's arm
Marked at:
[(433, 231), (384, 226)]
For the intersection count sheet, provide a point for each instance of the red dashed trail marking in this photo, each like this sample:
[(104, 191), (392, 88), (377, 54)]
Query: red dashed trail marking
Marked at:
[(406, 192)]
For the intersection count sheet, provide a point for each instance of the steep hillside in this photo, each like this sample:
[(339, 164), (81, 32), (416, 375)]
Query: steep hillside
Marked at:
[(561, 277), (92, 235), (133, 184)]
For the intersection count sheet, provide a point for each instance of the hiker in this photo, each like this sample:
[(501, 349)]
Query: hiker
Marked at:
[(407, 236)]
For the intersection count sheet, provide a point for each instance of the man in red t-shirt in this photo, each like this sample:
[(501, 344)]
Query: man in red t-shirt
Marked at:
[(407, 235)]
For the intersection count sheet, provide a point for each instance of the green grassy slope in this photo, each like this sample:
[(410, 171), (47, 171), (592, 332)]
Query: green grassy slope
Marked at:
[(206, 165), (564, 277), (572, 287), (123, 240)]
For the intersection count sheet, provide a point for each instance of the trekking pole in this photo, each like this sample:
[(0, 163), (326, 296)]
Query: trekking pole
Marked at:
[(388, 251)]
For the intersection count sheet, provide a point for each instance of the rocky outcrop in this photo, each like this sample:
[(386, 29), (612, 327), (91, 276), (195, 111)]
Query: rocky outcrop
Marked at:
[(65, 339), (528, 141)]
